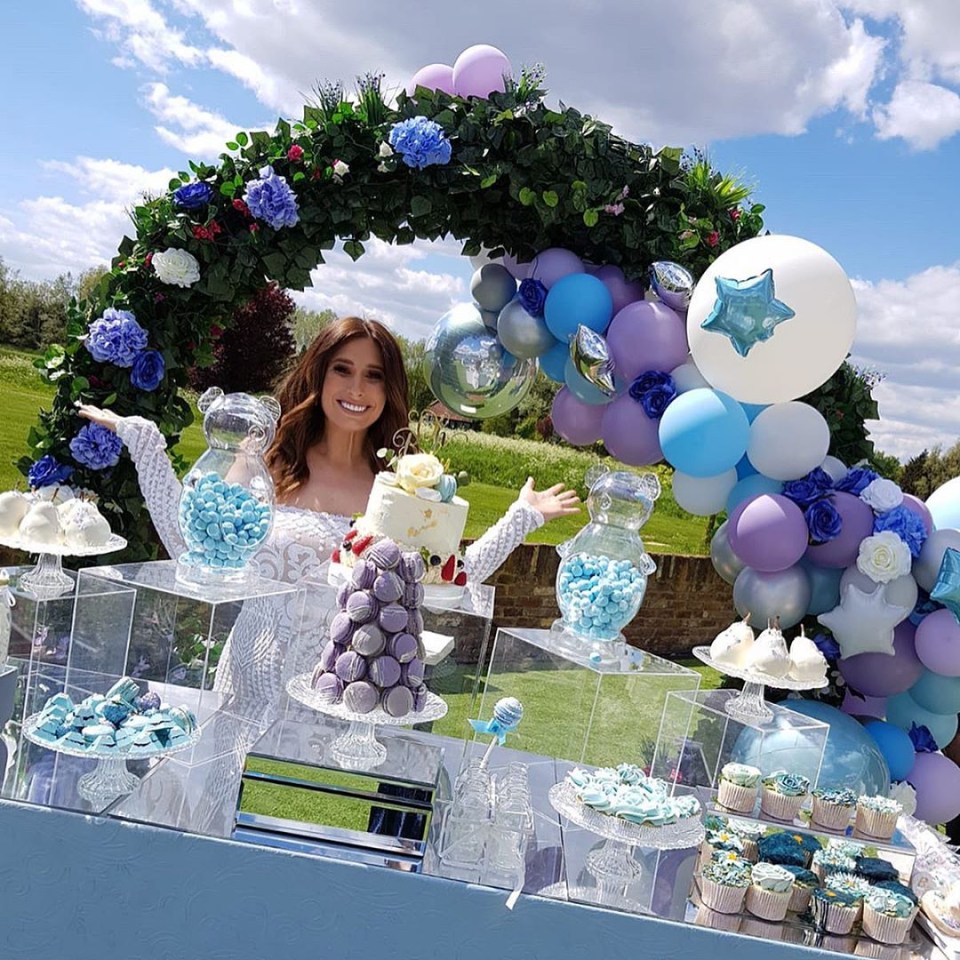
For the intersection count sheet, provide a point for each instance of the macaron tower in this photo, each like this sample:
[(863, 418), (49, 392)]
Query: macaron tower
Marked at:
[(374, 655)]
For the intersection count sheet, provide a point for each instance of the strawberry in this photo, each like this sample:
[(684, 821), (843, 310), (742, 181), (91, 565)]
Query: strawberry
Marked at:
[(461, 579), (361, 544), (349, 535), (449, 568), (335, 558)]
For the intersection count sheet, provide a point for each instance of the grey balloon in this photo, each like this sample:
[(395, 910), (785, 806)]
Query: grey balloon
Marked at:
[(927, 566), (672, 283), (468, 368), (493, 287), (522, 334), (785, 594), (727, 564)]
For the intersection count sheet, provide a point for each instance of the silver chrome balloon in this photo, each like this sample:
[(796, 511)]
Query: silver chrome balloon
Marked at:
[(785, 594), (672, 283), (468, 369), (727, 564), (591, 359), (522, 334)]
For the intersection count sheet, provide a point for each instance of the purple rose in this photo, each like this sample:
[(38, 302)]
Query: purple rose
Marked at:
[(533, 295), (654, 391), (803, 492), (823, 520), (96, 447), (922, 739), (193, 196), (148, 370), (856, 481), (48, 472), (905, 524)]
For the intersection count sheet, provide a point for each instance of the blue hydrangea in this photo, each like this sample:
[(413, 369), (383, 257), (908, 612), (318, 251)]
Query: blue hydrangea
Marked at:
[(271, 199), (905, 524), (420, 142), (48, 472), (116, 338), (193, 196), (148, 370), (96, 447), (856, 481)]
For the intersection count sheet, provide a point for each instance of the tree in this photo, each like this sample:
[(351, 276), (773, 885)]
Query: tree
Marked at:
[(306, 324)]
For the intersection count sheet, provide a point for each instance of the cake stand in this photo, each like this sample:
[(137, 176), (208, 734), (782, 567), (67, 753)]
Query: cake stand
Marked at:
[(436, 594), (357, 748), (110, 778), (750, 706), (47, 581)]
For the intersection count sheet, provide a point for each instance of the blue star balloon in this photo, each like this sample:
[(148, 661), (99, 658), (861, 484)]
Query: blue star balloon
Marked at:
[(746, 311), (947, 588)]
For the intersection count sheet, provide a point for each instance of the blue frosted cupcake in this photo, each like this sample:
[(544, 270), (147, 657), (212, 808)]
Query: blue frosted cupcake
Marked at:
[(887, 916), (877, 816), (833, 808), (804, 883), (782, 848), (723, 885), (876, 869), (834, 910), (783, 795)]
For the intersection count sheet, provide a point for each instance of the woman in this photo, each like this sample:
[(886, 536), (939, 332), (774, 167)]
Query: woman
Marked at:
[(345, 399)]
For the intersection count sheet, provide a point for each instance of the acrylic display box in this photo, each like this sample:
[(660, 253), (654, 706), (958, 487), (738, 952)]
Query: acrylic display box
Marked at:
[(598, 712)]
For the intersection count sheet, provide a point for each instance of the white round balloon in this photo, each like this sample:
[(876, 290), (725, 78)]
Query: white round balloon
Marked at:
[(803, 351), (787, 440), (944, 505), (688, 377), (703, 496), (834, 468)]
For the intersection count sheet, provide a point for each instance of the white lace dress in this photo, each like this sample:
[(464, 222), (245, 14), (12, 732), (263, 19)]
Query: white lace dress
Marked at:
[(297, 552)]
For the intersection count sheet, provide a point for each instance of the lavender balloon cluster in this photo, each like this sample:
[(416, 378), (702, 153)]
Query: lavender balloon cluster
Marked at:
[(374, 656)]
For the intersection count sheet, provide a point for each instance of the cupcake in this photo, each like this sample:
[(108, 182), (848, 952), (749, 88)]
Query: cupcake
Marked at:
[(738, 787), (877, 816), (833, 808), (770, 890), (897, 887), (887, 916), (750, 834), (804, 883), (723, 885), (875, 869), (713, 822), (834, 911), (832, 860), (783, 794), (809, 843), (845, 848), (782, 848), (721, 841), (848, 883)]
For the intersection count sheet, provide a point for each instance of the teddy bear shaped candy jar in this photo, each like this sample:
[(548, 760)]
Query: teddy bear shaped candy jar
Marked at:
[(227, 505), (604, 569)]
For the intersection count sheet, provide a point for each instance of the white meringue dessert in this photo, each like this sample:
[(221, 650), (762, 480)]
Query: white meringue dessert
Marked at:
[(732, 645), (41, 525), (807, 663), (13, 508), (84, 526), (769, 653)]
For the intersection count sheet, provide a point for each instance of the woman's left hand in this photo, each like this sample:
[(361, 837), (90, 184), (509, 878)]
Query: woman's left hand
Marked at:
[(555, 501)]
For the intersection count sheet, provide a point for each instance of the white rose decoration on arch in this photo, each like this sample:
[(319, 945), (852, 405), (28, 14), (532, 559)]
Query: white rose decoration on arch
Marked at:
[(178, 268), (884, 557), (418, 470), (882, 495)]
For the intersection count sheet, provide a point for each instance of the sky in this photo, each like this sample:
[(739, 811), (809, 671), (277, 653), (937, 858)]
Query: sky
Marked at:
[(844, 116)]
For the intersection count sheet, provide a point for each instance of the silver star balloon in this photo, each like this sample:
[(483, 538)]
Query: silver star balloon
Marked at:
[(672, 283), (592, 361)]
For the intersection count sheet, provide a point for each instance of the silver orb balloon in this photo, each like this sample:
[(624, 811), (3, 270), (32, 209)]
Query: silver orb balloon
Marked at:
[(672, 283), (785, 594), (521, 333), (493, 287), (727, 564), (468, 369), (591, 359)]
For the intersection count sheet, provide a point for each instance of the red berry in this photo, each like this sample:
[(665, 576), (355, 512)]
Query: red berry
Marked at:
[(349, 535), (361, 544), (461, 579), (449, 569), (336, 556)]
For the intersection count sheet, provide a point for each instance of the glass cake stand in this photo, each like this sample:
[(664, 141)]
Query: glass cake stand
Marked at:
[(357, 748), (750, 706), (47, 581), (110, 778)]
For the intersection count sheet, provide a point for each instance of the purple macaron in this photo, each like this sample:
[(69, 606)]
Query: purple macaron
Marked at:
[(362, 607), (413, 594), (415, 622), (388, 587), (330, 688), (384, 671), (393, 617), (369, 640), (419, 698), (403, 647), (341, 629), (412, 567), (397, 701), (411, 674), (351, 666), (385, 554), (328, 656), (318, 672), (364, 573), (344, 591), (360, 697)]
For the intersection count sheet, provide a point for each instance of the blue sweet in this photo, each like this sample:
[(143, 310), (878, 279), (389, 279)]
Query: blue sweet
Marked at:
[(599, 596)]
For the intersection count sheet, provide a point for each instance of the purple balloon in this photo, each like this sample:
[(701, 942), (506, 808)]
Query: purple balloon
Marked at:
[(480, 71), (875, 707), (622, 290), (917, 506), (577, 422), (646, 336), (936, 779), (550, 265), (629, 434), (434, 76), (857, 523), (768, 533), (879, 674), (938, 643)]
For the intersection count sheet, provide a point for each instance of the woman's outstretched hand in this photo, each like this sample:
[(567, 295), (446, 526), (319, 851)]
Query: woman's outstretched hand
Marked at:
[(555, 501), (106, 418)]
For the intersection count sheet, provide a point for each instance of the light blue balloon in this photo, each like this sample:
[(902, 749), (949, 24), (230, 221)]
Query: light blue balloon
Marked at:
[(751, 486), (582, 388), (937, 693), (903, 710), (944, 505), (704, 432), (824, 587), (553, 362), (576, 299), (851, 757), (746, 469)]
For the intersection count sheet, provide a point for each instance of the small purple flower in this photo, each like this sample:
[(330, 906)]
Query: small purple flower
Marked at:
[(533, 295), (827, 646), (48, 472), (96, 447), (922, 739), (654, 391), (148, 370), (420, 142), (856, 481), (271, 199), (116, 338), (905, 524), (805, 491), (193, 196), (823, 520)]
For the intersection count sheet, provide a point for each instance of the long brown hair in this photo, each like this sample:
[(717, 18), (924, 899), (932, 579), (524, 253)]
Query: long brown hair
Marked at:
[(302, 421)]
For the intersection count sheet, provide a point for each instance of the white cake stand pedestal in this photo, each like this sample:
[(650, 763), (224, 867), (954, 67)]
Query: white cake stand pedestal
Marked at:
[(357, 748), (750, 705)]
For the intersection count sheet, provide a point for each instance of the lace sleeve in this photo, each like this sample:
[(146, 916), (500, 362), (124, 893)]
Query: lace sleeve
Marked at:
[(158, 482), (482, 558)]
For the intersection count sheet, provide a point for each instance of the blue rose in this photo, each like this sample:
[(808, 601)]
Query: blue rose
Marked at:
[(654, 391), (827, 646), (193, 196), (420, 142), (905, 524), (148, 370), (116, 338), (922, 739), (856, 481), (48, 472), (823, 520), (96, 447), (271, 199), (533, 295), (806, 490)]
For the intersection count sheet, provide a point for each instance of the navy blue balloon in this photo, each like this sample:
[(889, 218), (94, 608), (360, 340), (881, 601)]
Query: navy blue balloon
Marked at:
[(554, 361), (895, 745)]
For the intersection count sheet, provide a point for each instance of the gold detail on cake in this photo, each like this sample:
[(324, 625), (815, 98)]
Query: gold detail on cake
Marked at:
[(427, 514)]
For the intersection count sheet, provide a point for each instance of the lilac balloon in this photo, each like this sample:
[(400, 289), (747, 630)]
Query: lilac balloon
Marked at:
[(857, 523), (646, 336), (867, 707), (479, 71), (520, 271), (768, 533), (577, 422), (622, 290), (936, 779), (879, 674), (917, 506), (629, 434), (550, 265), (434, 76), (938, 643)]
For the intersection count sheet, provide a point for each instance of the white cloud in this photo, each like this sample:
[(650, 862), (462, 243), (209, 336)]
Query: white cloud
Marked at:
[(923, 114), (112, 180), (192, 129)]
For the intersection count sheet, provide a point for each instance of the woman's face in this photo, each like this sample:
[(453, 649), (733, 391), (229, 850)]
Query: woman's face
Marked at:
[(353, 394)]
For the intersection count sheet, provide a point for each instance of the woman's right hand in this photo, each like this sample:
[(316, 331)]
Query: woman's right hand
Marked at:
[(106, 418)]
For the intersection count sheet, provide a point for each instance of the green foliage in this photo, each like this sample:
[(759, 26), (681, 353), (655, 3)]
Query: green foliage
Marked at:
[(846, 401), (929, 470)]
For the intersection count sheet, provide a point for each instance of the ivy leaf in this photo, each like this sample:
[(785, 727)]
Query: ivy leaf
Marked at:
[(591, 217), (232, 145), (527, 196), (419, 206), (228, 189), (353, 249), (242, 139), (551, 198), (174, 184), (489, 181)]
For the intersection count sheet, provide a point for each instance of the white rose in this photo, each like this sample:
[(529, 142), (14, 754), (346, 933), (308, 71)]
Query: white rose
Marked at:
[(177, 267), (884, 557), (418, 470), (340, 170), (882, 495), (385, 150), (905, 795)]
